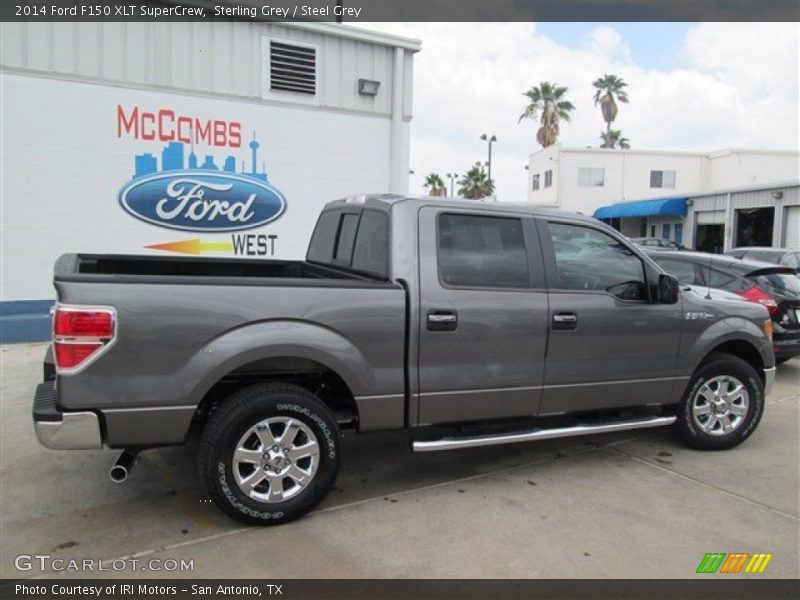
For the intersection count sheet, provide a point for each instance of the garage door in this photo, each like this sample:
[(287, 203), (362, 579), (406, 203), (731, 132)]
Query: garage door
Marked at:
[(710, 217), (791, 228)]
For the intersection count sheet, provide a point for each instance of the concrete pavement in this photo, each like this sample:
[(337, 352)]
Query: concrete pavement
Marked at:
[(620, 505)]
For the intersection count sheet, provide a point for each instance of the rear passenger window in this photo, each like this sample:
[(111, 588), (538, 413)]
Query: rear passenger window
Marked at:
[(478, 251), (588, 259), (371, 253)]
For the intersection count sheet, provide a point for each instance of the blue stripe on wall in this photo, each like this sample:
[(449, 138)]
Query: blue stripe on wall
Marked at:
[(25, 321)]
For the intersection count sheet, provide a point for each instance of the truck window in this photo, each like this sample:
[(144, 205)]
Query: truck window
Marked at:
[(371, 253), (353, 240), (479, 251), (684, 271), (591, 260), (345, 239), (320, 249)]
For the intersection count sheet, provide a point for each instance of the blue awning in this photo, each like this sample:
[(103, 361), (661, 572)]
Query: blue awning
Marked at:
[(643, 208)]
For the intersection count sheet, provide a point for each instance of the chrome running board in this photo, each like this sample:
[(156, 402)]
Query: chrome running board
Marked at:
[(456, 442)]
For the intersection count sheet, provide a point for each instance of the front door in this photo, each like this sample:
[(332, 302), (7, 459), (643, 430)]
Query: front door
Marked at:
[(483, 316), (609, 346)]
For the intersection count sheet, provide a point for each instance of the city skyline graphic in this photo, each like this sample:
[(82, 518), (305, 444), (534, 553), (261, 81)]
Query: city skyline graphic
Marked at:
[(172, 159)]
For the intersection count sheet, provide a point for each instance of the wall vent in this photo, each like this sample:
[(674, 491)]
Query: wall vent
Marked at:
[(292, 68)]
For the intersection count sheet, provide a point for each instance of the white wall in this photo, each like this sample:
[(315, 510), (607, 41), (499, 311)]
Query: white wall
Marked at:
[(217, 57), (729, 169), (63, 165), (627, 173)]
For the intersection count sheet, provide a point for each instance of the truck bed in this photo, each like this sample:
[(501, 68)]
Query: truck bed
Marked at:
[(138, 269)]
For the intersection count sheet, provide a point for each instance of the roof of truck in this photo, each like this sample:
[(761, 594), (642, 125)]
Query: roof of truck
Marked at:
[(386, 201)]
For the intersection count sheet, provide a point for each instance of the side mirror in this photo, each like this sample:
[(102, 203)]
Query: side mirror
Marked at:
[(668, 289)]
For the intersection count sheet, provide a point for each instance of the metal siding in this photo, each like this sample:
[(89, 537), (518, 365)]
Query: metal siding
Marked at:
[(759, 199), (223, 57), (791, 228)]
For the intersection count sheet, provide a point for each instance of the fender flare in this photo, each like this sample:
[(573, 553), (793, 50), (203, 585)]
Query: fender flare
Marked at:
[(280, 338)]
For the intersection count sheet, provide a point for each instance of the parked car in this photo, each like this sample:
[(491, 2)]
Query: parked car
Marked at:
[(657, 243), (779, 256), (773, 286), (468, 324)]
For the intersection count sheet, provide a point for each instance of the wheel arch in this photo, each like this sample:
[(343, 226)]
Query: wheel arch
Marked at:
[(742, 349)]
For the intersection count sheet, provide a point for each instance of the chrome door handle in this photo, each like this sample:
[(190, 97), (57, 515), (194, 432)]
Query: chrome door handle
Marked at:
[(441, 318), (565, 318), (565, 321)]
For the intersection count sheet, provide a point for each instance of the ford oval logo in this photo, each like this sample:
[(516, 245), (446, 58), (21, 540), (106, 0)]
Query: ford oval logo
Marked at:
[(193, 200)]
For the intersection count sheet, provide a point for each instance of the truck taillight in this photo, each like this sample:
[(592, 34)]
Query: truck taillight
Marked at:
[(81, 333)]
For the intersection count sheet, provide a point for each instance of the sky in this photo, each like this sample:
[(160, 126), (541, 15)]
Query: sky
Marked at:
[(692, 86)]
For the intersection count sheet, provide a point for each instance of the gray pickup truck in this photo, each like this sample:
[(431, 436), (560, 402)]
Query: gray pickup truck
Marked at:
[(467, 324)]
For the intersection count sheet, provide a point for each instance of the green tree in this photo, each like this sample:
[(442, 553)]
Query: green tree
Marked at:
[(547, 103), (436, 185), (613, 138), (609, 89), (475, 184)]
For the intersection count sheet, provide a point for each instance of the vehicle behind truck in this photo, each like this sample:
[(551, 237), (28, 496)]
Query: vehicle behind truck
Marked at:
[(466, 324)]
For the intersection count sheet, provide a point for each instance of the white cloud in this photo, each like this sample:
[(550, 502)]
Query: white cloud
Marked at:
[(737, 88)]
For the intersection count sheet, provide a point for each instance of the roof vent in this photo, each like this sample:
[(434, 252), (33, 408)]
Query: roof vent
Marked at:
[(292, 68)]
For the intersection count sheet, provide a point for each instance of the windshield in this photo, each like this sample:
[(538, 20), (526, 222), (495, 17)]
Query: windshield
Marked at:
[(782, 281)]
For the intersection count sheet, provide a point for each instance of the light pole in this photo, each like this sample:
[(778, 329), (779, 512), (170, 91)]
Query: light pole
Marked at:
[(486, 138), (452, 177)]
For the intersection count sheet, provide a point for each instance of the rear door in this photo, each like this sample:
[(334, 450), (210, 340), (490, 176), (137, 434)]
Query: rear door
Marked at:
[(609, 346), (483, 315)]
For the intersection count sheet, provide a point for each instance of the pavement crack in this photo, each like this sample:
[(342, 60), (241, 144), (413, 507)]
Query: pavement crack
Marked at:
[(705, 484)]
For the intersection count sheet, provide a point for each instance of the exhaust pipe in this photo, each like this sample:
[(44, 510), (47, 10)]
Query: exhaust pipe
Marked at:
[(121, 469)]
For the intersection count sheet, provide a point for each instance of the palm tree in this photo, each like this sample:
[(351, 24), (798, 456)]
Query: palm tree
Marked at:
[(547, 103), (613, 138), (436, 185), (609, 89), (476, 184)]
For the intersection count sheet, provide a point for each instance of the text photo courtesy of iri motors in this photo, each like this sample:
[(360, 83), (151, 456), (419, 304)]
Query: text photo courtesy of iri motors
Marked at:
[(367, 300)]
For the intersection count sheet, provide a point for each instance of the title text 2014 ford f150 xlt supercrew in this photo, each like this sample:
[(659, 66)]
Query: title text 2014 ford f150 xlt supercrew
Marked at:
[(468, 324)]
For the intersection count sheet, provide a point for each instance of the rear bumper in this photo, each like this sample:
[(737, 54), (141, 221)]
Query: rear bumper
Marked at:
[(61, 430), (769, 380), (786, 346)]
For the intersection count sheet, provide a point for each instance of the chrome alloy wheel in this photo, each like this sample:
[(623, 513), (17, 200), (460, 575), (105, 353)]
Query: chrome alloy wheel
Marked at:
[(276, 459), (720, 405)]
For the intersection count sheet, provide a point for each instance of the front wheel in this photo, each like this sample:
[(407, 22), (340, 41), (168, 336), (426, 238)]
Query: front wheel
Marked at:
[(723, 404), (270, 454)]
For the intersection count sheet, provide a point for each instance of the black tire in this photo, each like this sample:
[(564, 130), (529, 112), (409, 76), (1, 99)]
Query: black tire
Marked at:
[(715, 365), (243, 410)]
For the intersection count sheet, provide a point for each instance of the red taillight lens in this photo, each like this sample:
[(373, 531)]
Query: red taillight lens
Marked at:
[(79, 333), (759, 296), (73, 323), (69, 356)]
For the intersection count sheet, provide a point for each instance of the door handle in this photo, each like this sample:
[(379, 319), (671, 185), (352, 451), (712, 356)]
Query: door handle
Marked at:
[(565, 321), (442, 320)]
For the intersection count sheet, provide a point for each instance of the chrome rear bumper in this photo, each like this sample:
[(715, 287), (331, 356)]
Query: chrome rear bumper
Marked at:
[(63, 430)]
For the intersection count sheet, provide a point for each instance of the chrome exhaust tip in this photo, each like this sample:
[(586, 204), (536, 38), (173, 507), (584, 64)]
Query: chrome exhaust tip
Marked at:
[(121, 469)]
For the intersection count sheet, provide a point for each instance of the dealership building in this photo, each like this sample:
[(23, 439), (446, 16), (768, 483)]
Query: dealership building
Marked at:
[(711, 201), (220, 138)]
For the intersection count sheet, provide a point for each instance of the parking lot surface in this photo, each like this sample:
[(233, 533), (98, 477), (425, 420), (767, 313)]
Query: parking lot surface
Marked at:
[(634, 504)]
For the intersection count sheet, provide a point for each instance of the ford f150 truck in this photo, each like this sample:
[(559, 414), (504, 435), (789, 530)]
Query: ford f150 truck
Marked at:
[(468, 324)]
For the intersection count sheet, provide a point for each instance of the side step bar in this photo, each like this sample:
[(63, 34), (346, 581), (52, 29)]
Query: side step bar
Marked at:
[(456, 442)]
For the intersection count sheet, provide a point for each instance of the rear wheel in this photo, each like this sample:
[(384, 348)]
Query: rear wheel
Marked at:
[(270, 454), (723, 404)]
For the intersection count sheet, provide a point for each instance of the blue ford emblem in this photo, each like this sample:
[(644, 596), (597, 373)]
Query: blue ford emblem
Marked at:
[(193, 200)]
